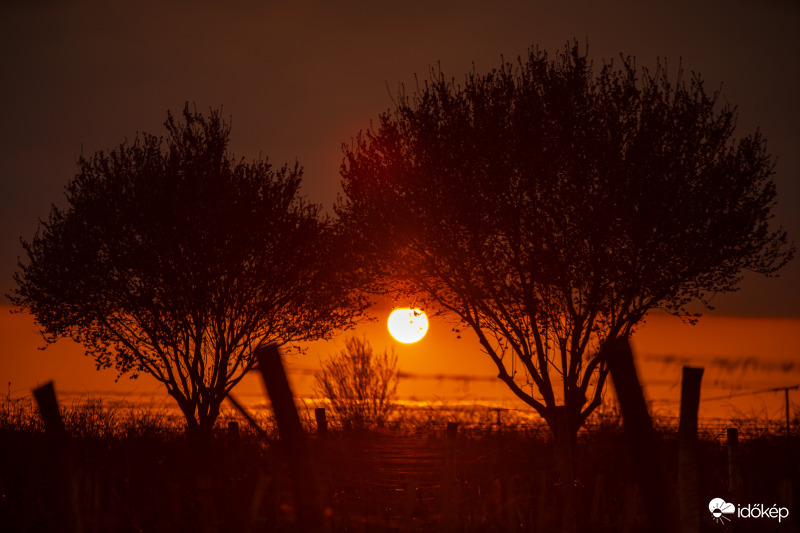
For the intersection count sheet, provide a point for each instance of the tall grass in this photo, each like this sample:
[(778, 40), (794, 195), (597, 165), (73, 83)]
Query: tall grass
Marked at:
[(92, 418), (136, 471), (98, 418)]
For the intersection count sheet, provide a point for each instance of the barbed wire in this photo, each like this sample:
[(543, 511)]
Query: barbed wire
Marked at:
[(751, 393)]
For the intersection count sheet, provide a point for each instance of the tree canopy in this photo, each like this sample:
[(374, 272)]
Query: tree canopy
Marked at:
[(550, 208), (174, 259)]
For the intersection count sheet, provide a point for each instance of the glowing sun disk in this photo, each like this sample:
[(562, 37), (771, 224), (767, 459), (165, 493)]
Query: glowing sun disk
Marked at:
[(408, 325)]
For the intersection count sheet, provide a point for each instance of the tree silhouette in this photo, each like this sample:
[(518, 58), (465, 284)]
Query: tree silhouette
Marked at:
[(550, 208), (360, 384), (176, 260)]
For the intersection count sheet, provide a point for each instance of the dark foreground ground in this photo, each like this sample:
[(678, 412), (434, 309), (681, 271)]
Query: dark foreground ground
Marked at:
[(144, 477)]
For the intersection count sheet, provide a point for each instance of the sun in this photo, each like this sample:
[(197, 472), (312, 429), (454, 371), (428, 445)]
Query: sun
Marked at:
[(408, 325)]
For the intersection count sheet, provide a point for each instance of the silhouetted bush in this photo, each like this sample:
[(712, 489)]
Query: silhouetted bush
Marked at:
[(360, 384)]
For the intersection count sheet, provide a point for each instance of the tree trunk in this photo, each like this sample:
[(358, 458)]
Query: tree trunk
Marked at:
[(565, 439), (200, 436), (199, 426)]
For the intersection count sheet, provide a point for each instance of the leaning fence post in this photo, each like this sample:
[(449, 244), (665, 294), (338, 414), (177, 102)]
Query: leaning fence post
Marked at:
[(62, 471), (247, 416), (308, 501), (641, 437), (688, 493)]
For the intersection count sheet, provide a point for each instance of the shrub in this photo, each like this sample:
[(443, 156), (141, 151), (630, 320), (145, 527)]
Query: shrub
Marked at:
[(360, 384)]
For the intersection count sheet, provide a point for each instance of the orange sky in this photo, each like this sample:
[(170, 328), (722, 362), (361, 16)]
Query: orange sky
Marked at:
[(299, 78), (739, 354)]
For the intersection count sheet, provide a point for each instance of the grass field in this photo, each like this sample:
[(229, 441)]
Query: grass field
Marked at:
[(129, 468)]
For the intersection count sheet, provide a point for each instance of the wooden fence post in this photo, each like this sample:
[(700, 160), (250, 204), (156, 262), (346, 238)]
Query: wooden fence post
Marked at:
[(322, 422), (788, 426), (734, 470), (452, 431), (688, 492), (48, 409), (308, 501), (62, 470), (641, 437)]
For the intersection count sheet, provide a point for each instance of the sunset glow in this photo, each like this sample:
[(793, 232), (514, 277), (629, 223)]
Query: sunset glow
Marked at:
[(223, 227)]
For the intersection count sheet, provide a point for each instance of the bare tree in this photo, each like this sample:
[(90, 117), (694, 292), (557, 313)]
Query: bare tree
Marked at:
[(550, 209), (360, 384), (176, 260)]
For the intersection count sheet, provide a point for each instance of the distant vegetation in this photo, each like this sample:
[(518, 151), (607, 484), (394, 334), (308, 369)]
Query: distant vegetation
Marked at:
[(360, 385)]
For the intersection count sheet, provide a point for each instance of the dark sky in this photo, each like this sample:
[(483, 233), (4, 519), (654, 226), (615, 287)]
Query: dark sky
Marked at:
[(300, 78)]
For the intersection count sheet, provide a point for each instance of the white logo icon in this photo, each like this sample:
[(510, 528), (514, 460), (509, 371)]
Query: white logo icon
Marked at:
[(719, 508)]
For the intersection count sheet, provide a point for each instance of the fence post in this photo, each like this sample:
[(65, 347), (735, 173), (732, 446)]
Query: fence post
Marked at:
[(310, 515), (641, 437), (452, 431), (322, 422), (66, 504), (734, 472), (48, 409), (688, 493)]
